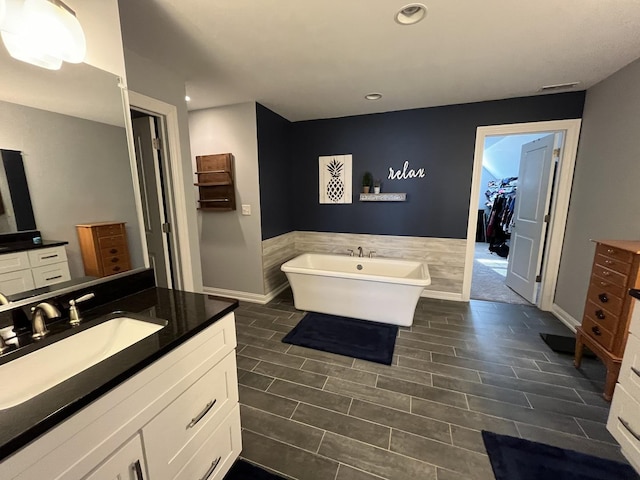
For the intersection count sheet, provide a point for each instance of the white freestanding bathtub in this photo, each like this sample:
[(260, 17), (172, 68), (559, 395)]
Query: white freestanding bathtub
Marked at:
[(377, 289)]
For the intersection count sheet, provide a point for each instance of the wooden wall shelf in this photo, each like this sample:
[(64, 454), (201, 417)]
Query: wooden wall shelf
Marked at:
[(383, 197), (215, 182)]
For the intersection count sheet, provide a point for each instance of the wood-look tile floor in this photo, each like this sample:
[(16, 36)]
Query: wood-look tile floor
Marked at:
[(459, 369)]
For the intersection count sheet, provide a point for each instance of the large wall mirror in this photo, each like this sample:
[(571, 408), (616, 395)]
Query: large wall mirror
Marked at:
[(68, 129)]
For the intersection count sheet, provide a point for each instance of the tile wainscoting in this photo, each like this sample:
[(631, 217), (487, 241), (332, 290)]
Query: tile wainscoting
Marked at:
[(445, 256)]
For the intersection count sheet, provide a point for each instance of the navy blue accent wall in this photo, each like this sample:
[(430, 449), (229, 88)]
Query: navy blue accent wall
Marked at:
[(441, 140), (274, 160)]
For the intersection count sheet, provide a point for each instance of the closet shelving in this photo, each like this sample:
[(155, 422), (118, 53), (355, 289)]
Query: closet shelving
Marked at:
[(215, 182)]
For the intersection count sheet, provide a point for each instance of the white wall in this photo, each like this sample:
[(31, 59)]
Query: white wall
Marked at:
[(77, 170), (230, 243), (604, 198), (150, 79), (502, 158)]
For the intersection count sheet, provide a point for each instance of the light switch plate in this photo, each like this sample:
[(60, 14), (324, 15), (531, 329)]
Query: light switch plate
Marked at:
[(246, 209)]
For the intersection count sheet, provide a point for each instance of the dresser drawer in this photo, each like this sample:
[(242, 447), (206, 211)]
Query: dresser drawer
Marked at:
[(110, 242), (114, 260), (16, 282), (616, 290), (609, 275), (118, 249), (614, 253), (51, 274), (624, 423), (598, 333), (217, 453), (614, 264), (113, 268), (12, 262), (110, 230), (604, 297), (47, 256), (174, 435), (630, 370), (601, 317)]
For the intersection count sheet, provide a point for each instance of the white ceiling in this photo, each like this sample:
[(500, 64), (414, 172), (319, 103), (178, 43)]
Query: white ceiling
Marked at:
[(318, 58)]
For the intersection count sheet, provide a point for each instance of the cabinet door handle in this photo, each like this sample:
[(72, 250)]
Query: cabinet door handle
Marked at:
[(626, 425), (596, 331), (137, 469), (213, 466), (603, 297), (199, 417), (600, 314)]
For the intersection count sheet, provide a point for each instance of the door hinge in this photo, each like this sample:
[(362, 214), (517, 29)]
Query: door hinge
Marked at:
[(156, 143), (166, 228), (556, 152), (547, 217), (538, 278)]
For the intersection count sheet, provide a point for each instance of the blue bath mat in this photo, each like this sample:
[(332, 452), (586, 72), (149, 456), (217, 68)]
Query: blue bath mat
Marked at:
[(370, 341), (517, 459)]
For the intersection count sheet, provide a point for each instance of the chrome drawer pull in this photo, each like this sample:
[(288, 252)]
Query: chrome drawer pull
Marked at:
[(600, 314), (603, 297), (211, 468), (628, 427), (596, 330), (137, 469), (198, 417), (636, 371)]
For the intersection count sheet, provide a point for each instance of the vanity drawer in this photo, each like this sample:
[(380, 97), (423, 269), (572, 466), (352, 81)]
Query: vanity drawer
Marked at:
[(601, 316), (110, 242), (11, 262), (175, 434), (630, 369), (624, 423), (605, 297), (16, 282), (110, 230), (217, 453), (614, 264), (47, 256), (614, 253), (51, 274), (598, 333)]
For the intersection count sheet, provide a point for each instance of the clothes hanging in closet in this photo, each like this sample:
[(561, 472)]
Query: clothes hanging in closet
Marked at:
[(502, 199)]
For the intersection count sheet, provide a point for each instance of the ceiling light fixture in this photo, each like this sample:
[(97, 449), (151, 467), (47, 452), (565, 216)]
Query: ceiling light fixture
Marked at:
[(411, 14), (373, 96), (42, 32), (187, 98)]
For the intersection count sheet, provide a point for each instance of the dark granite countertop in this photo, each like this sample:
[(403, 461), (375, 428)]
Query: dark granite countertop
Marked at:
[(635, 293), (186, 313), (22, 246)]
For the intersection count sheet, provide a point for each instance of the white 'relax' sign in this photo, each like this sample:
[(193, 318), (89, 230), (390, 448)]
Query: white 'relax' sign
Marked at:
[(406, 173), (335, 179)]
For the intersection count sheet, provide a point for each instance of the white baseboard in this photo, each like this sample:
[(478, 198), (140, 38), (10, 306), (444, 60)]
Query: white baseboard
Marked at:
[(245, 296), (456, 297), (564, 317)]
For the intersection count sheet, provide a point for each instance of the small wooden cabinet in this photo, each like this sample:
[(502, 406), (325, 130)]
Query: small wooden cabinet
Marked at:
[(104, 248), (608, 308), (215, 182)]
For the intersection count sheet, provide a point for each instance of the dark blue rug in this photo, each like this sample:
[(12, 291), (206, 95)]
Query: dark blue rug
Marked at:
[(370, 341), (517, 459), (242, 470)]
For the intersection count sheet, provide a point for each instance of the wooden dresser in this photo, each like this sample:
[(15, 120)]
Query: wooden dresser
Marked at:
[(104, 248), (608, 308)]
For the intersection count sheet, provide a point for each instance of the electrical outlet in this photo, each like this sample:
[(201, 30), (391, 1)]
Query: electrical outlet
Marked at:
[(246, 209)]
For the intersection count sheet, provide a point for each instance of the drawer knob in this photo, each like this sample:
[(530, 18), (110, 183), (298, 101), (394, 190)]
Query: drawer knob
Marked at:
[(201, 415), (113, 250), (596, 331), (605, 273), (604, 284), (608, 262), (600, 314), (115, 260), (610, 251), (116, 268), (603, 297)]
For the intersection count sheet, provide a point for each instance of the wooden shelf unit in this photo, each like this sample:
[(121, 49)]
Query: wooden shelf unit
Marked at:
[(215, 182)]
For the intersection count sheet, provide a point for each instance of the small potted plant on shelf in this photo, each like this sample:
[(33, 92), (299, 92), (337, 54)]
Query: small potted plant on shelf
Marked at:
[(367, 180), (376, 186)]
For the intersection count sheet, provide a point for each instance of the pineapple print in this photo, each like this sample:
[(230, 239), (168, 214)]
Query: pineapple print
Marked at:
[(335, 187)]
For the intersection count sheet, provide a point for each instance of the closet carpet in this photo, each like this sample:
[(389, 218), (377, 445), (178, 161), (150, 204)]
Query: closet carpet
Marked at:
[(487, 283)]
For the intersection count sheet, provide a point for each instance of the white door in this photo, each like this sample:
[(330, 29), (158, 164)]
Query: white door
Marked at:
[(532, 204), (144, 135)]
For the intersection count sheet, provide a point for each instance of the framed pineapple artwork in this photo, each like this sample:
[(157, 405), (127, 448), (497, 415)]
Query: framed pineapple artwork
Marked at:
[(335, 178)]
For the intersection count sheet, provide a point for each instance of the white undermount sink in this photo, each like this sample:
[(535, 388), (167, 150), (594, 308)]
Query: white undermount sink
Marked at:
[(29, 375)]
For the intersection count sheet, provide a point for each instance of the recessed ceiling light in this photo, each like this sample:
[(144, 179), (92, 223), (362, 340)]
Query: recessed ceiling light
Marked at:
[(411, 14), (373, 96), (187, 98)]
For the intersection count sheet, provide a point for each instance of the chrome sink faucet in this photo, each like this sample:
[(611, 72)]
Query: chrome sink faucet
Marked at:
[(360, 252), (39, 314)]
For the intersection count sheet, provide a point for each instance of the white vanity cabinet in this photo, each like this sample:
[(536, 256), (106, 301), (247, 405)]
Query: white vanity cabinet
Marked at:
[(22, 271), (178, 418)]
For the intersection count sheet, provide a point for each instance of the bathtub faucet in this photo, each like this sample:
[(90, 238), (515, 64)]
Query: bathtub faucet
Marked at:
[(360, 252)]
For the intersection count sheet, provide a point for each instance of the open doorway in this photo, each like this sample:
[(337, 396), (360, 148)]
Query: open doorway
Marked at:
[(501, 192)]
